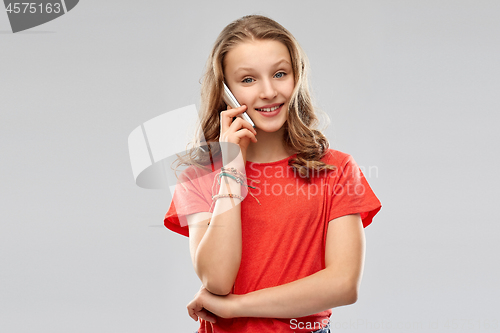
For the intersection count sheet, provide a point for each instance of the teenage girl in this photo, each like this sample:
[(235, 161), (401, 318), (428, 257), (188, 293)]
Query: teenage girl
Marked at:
[(279, 259)]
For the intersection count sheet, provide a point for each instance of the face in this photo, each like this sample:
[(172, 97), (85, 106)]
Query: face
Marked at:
[(259, 74)]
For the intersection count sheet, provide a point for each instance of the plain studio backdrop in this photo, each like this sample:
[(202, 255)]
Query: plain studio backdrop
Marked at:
[(411, 89)]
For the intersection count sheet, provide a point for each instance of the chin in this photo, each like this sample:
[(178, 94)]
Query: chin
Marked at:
[(270, 129)]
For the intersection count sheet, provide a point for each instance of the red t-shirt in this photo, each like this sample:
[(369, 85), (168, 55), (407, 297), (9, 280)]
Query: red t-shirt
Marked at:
[(283, 238)]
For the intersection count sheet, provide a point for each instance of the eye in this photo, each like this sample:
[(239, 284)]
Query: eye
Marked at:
[(279, 75), (247, 80)]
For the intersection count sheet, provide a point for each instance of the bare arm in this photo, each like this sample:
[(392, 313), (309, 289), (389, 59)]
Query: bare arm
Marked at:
[(216, 249), (336, 285)]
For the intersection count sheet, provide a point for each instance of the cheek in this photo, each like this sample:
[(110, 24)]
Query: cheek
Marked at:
[(241, 98), (289, 87), (244, 100), (244, 96)]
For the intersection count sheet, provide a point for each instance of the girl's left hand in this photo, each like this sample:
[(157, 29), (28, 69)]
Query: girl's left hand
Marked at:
[(208, 306)]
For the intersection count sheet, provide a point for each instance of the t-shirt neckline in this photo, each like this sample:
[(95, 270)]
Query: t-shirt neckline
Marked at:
[(285, 160)]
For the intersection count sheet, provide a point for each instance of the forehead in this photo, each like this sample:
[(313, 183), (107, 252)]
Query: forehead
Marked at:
[(256, 54)]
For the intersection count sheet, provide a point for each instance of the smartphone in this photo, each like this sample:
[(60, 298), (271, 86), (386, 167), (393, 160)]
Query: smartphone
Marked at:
[(233, 102)]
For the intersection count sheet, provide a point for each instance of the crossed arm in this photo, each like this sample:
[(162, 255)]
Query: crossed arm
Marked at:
[(336, 285)]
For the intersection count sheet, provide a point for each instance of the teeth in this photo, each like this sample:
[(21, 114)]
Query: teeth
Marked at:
[(269, 109)]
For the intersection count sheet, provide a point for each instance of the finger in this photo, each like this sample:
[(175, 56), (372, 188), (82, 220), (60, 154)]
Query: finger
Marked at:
[(233, 112), (206, 315), (246, 124), (245, 133), (240, 123), (226, 117), (192, 314), (239, 109), (193, 308)]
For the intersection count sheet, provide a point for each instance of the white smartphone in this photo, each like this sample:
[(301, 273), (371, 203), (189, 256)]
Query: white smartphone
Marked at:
[(233, 102)]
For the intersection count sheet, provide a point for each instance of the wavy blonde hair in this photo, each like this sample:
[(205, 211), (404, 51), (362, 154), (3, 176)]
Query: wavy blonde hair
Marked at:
[(300, 136)]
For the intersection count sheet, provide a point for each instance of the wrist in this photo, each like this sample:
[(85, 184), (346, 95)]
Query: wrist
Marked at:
[(236, 160)]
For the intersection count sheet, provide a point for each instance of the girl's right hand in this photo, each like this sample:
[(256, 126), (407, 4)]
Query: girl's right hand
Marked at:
[(238, 132)]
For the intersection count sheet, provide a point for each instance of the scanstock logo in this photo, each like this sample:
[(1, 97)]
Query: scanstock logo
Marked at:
[(26, 15)]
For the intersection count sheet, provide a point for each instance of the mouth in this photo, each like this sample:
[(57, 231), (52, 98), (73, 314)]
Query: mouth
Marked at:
[(271, 109)]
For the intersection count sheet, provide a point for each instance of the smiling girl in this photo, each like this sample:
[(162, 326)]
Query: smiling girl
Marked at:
[(280, 259)]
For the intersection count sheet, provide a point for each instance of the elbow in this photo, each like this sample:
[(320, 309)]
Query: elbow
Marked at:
[(351, 296), (218, 288), (350, 293), (217, 278), (217, 283), (346, 293)]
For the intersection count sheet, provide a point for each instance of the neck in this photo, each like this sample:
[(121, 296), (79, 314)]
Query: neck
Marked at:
[(268, 148)]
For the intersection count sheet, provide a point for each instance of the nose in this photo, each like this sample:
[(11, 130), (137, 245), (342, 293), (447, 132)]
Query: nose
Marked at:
[(268, 91)]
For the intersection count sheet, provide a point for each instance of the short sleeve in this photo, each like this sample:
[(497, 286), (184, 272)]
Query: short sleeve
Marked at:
[(350, 193), (192, 194)]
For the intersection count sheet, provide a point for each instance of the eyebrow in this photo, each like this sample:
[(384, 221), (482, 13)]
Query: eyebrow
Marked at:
[(275, 65)]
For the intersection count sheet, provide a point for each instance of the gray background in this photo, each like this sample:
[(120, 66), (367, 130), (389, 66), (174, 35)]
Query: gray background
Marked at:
[(411, 88)]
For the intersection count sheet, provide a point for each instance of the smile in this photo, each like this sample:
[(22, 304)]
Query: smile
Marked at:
[(274, 108), (270, 112)]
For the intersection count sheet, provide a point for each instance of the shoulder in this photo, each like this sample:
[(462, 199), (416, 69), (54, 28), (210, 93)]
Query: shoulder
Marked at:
[(193, 171), (336, 157)]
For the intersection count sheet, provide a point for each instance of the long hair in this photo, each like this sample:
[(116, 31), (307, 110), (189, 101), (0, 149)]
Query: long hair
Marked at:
[(301, 134)]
